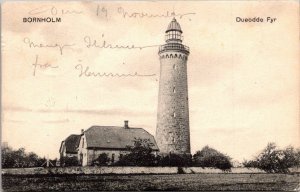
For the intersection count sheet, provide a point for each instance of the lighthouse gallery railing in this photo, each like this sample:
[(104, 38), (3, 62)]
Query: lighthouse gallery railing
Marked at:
[(174, 47)]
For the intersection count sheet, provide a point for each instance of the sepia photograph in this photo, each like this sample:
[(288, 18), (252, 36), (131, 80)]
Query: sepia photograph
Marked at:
[(150, 96)]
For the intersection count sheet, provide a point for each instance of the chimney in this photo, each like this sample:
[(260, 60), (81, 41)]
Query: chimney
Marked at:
[(82, 130), (126, 124)]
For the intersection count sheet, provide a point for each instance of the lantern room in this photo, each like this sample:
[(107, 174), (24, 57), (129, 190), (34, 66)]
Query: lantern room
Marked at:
[(173, 33)]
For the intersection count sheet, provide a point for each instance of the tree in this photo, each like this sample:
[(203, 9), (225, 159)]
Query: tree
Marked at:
[(33, 160), (209, 157), (19, 158), (7, 158), (103, 159), (274, 160), (140, 154)]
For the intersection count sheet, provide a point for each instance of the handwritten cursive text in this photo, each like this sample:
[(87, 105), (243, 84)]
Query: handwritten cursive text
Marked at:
[(41, 66), (85, 72), (103, 44), (31, 44), (52, 10), (126, 14)]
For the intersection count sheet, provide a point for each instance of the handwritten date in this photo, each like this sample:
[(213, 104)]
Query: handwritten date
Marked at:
[(52, 10)]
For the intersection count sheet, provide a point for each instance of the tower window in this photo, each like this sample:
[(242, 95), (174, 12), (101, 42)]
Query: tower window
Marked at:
[(174, 114), (174, 90), (174, 67)]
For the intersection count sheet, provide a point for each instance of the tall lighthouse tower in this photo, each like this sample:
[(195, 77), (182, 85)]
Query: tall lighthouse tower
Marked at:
[(173, 131)]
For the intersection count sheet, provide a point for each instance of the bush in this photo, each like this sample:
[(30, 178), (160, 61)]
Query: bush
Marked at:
[(175, 160), (19, 158), (209, 157), (251, 163), (103, 159), (140, 154), (69, 161), (274, 160)]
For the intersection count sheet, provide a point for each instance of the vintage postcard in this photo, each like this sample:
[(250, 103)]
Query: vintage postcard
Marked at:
[(150, 95)]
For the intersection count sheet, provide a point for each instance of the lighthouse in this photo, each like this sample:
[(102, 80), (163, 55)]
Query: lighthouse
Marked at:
[(173, 130)]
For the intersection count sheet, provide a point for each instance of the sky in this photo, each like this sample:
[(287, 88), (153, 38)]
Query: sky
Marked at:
[(243, 77)]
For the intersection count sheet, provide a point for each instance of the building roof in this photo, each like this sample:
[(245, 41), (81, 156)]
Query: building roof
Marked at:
[(113, 137), (174, 26), (72, 143)]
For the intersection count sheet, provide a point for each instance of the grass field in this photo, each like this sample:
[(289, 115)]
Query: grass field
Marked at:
[(195, 182)]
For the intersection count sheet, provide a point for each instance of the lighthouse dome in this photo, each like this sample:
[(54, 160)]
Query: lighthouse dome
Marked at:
[(174, 26)]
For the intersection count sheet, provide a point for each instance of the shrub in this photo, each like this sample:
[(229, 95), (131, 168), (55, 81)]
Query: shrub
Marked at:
[(69, 161), (103, 159), (209, 157), (274, 160), (175, 160), (140, 154), (250, 163)]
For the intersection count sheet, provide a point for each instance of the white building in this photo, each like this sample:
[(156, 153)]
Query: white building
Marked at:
[(112, 140)]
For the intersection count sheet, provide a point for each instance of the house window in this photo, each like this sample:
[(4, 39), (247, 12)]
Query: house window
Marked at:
[(174, 114), (121, 156), (174, 90)]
